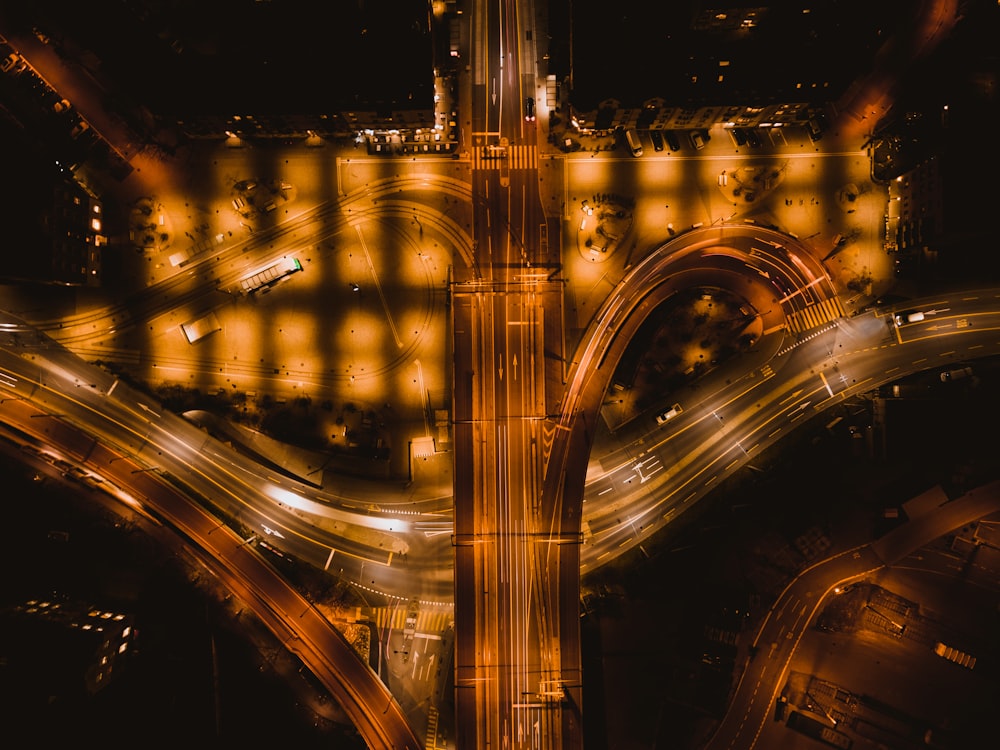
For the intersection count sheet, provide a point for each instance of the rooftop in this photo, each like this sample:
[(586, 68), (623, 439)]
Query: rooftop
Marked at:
[(230, 56)]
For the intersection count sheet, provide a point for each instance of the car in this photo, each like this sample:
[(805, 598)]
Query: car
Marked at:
[(912, 316), (697, 139), (958, 374), (815, 129), (739, 136), (62, 105), (633, 142), (657, 139), (79, 129), (669, 414), (671, 138), (529, 110), (753, 140), (817, 125), (13, 62)]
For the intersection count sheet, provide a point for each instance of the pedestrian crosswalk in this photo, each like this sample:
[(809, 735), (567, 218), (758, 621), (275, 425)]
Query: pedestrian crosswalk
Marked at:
[(818, 314), (431, 620), (505, 157), (430, 742)]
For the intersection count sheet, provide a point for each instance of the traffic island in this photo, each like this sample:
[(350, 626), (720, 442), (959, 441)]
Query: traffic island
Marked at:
[(684, 339)]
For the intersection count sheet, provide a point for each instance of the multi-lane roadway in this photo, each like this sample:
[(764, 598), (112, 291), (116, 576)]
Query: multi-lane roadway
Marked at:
[(516, 655), (528, 512), (770, 391)]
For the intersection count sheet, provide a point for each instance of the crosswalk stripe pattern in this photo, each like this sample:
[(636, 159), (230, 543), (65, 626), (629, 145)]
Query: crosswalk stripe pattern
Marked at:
[(430, 620), (492, 157), (816, 315), (430, 742)]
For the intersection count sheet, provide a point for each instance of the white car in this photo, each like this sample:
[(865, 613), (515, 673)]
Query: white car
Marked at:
[(908, 317), (961, 372), (669, 414)]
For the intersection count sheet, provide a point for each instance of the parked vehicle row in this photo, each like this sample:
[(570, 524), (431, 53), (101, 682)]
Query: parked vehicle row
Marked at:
[(660, 139), (698, 138), (745, 137)]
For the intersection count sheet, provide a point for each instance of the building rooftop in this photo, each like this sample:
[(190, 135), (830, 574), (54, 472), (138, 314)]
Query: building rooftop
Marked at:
[(241, 56), (721, 52)]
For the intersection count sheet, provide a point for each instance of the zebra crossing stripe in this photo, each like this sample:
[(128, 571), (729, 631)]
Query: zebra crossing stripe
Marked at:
[(428, 621), (517, 157), (816, 315), (430, 740)]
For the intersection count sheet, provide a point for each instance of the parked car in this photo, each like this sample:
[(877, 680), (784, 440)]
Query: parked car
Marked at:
[(657, 139), (62, 105), (753, 140), (739, 136), (671, 138), (697, 139), (633, 142), (13, 63), (79, 129), (815, 130), (816, 126)]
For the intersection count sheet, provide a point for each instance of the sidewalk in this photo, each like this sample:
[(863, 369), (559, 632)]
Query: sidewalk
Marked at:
[(839, 219)]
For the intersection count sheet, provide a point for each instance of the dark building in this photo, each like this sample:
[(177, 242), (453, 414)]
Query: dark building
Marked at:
[(249, 67), (692, 64), (54, 224), (45, 635), (74, 232)]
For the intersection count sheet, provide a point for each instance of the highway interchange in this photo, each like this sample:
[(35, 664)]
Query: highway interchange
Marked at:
[(531, 513), (777, 388)]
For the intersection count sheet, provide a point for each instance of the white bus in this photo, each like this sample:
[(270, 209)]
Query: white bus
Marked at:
[(270, 275)]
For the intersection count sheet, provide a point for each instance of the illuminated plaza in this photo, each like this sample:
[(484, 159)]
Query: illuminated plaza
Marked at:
[(517, 394)]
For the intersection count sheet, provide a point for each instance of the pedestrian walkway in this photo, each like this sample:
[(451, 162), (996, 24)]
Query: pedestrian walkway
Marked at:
[(816, 315), (494, 157), (430, 620), (433, 717)]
